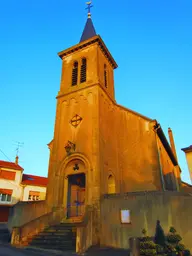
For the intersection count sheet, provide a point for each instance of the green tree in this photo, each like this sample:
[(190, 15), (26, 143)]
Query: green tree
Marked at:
[(159, 235)]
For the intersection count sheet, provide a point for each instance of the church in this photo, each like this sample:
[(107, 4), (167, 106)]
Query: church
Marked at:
[(112, 171)]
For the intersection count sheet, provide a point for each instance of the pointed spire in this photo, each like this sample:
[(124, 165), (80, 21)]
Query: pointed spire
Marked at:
[(89, 30)]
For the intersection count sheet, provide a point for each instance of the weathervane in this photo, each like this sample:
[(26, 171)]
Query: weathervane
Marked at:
[(89, 6)]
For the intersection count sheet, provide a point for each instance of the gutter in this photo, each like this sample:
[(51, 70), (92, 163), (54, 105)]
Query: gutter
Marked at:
[(165, 143), (160, 163)]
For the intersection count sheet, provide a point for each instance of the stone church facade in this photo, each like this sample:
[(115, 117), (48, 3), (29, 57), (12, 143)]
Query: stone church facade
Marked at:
[(104, 158)]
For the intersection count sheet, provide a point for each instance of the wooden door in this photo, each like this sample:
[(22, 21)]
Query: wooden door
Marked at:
[(73, 201), (77, 201)]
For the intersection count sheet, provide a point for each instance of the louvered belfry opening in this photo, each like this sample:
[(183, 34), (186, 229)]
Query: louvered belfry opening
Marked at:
[(83, 70), (75, 73), (105, 75)]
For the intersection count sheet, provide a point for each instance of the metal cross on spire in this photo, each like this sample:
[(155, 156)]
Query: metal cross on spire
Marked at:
[(89, 6)]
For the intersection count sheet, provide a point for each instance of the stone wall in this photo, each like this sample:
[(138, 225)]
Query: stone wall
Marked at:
[(21, 234), (128, 149), (189, 163), (24, 212), (168, 168), (171, 208)]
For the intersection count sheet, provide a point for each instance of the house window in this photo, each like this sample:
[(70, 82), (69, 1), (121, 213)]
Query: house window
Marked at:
[(7, 175), (75, 73), (125, 216), (83, 70), (105, 75), (34, 196), (5, 195), (111, 185)]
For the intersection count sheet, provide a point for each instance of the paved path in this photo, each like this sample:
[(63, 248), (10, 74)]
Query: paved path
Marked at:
[(7, 250)]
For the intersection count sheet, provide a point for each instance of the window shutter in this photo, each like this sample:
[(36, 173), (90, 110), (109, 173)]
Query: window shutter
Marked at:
[(34, 193), (83, 70), (6, 191), (75, 73), (7, 175)]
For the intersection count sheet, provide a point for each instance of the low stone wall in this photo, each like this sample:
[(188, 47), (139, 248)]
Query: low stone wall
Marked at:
[(24, 212), (85, 232), (171, 208), (20, 235)]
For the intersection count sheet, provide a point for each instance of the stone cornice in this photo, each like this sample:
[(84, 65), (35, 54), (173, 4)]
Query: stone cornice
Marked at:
[(96, 39)]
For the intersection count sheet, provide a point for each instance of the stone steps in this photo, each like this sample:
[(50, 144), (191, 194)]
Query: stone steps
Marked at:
[(56, 234), (55, 238), (52, 242), (59, 237)]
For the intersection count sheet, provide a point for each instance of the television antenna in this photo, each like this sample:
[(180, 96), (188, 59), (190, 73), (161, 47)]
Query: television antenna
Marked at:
[(18, 146)]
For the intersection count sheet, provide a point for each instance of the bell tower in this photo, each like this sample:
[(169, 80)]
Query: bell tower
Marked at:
[(89, 63), (87, 69)]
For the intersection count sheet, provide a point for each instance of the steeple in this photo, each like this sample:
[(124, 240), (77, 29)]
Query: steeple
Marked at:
[(89, 30), (88, 63)]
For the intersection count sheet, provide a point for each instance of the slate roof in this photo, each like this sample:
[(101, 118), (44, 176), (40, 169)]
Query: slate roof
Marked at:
[(33, 180), (89, 31), (10, 165)]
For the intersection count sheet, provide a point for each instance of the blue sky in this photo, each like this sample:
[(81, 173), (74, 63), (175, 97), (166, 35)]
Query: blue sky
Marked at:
[(150, 40)]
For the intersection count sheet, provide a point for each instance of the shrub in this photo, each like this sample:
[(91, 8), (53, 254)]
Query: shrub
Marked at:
[(180, 247), (173, 238), (169, 248), (144, 232), (159, 234), (148, 252), (172, 230), (145, 239), (160, 249), (148, 245), (186, 253)]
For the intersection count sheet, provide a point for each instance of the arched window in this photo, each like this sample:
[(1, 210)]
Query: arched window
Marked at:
[(111, 185), (83, 70), (75, 73), (105, 75)]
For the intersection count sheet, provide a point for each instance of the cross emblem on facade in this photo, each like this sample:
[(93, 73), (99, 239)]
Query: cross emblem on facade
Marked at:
[(76, 120)]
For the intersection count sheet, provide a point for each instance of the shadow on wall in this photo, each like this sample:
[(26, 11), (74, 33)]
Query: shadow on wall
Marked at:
[(170, 182), (170, 207), (23, 212), (149, 180)]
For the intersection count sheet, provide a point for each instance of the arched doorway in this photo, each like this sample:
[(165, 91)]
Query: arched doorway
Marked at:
[(76, 195), (111, 185), (75, 190)]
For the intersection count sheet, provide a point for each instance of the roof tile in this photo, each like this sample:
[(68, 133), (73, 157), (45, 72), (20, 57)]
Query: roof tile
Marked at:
[(89, 31), (10, 165), (34, 180)]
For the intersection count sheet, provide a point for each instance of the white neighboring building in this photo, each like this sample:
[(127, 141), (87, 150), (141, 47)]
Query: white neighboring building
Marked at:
[(16, 186), (34, 187)]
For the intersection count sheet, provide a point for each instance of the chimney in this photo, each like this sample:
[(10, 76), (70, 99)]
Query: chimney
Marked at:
[(171, 139), (16, 159)]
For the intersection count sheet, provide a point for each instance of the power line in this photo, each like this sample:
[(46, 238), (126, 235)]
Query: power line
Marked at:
[(5, 155)]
